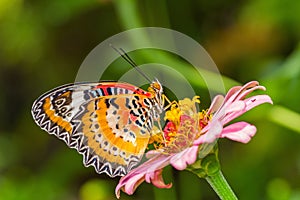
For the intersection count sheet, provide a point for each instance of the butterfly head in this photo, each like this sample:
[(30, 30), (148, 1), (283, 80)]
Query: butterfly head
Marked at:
[(157, 90), (156, 86)]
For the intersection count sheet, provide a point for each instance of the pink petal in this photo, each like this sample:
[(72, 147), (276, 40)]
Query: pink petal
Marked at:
[(135, 177), (231, 94), (235, 106), (249, 85), (254, 101), (129, 184), (240, 132), (153, 164), (229, 110), (186, 157), (244, 93), (216, 104), (157, 180), (234, 92), (152, 153), (211, 132), (250, 103)]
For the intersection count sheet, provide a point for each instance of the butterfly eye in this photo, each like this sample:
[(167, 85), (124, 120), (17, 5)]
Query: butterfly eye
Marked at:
[(156, 86)]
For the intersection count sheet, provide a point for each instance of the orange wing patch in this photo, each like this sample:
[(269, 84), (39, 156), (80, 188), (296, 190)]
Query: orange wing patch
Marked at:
[(105, 140), (55, 118)]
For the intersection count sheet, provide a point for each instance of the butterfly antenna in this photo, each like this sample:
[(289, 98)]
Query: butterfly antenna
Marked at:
[(130, 61)]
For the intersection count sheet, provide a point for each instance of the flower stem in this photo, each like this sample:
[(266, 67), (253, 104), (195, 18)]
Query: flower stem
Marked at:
[(220, 186)]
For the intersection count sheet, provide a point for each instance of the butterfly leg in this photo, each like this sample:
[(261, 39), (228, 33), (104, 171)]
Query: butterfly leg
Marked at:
[(170, 103), (160, 128)]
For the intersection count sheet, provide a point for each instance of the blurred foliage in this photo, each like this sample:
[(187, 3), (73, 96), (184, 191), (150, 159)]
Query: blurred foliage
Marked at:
[(44, 42)]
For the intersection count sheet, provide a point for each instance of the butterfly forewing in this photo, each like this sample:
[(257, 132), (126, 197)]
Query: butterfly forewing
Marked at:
[(109, 123)]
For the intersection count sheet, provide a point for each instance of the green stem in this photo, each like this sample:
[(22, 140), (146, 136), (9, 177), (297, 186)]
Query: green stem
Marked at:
[(220, 186)]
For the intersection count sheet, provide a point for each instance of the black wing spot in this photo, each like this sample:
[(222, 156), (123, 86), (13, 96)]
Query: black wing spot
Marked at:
[(127, 103), (106, 101), (133, 113), (109, 91), (137, 122), (140, 111), (134, 103), (112, 102), (132, 134)]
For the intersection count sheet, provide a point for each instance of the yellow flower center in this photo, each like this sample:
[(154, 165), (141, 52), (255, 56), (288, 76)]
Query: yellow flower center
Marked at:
[(183, 126)]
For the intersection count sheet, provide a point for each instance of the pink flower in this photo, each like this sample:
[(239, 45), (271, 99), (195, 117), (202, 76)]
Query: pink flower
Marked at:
[(187, 130)]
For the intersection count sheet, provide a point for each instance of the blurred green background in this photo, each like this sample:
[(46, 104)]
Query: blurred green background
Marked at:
[(42, 44)]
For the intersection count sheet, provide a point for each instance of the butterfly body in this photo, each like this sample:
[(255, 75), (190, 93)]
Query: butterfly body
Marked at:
[(109, 123)]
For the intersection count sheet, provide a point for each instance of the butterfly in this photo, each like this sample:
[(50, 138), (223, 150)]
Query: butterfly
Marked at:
[(108, 122)]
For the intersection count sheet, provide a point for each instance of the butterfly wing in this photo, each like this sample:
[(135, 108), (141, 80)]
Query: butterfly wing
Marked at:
[(108, 123)]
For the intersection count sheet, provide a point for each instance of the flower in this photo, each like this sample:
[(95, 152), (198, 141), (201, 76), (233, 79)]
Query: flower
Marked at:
[(187, 130)]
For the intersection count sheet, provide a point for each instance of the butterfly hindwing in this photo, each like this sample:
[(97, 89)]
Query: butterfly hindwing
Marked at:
[(107, 122)]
